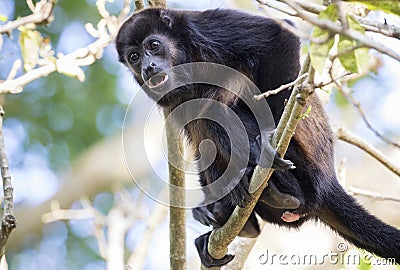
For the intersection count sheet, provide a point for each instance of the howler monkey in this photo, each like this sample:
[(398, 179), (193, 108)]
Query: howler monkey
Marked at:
[(153, 40)]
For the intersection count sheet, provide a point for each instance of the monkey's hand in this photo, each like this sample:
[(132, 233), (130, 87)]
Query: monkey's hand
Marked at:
[(240, 195), (206, 259), (205, 216), (264, 152)]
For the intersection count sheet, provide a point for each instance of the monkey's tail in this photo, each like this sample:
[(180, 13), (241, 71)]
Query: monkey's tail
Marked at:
[(341, 212)]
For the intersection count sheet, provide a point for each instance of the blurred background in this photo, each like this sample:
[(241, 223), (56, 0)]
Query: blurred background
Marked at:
[(63, 139)]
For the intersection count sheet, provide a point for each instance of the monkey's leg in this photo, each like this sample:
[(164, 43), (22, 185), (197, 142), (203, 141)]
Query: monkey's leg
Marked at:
[(206, 259), (272, 196), (276, 199), (220, 213), (216, 215)]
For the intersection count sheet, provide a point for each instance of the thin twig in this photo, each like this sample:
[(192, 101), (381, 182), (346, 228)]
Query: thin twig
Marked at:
[(380, 28), (334, 27), (369, 25), (137, 259), (371, 194), (119, 220), (41, 15), (361, 112), (8, 221), (287, 26), (323, 84), (346, 136), (281, 88), (80, 57), (70, 214)]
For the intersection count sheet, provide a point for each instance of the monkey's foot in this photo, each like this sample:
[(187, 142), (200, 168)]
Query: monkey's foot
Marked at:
[(276, 199), (290, 216), (267, 153), (206, 259)]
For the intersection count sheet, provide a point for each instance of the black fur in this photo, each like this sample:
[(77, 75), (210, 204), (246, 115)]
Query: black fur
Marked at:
[(269, 56)]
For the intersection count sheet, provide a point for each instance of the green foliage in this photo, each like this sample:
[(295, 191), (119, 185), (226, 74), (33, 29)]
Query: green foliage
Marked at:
[(354, 60), (58, 112), (351, 56), (319, 52), (389, 6)]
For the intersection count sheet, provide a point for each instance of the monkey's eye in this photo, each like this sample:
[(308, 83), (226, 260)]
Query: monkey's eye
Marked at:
[(154, 45), (133, 56)]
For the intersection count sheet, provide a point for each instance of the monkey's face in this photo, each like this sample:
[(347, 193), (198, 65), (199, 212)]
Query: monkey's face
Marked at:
[(149, 59), (145, 44)]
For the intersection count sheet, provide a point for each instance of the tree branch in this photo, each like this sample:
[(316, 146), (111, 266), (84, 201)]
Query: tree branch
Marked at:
[(373, 195), (360, 110), (285, 25), (369, 25), (346, 136), (139, 5), (177, 228), (8, 221), (107, 30), (280, 88), (41, 15), (157, 3), (222, 237), (338, 29), (137, 259)]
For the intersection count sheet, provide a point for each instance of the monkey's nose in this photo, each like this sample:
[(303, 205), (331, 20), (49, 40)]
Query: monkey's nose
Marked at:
[(150, 70)]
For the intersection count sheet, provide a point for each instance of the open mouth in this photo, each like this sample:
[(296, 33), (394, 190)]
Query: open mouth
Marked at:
[(157, 80)]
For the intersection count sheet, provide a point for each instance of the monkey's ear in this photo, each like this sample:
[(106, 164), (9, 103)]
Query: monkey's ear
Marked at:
[(166, 18)]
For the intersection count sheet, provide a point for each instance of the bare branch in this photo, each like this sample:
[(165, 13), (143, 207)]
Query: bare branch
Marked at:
[(72, 214), (338, 29), (41, 15), (371, 194), (380, 28), (323, 84), (88, 212), (139, 5), (8, 221), (177, 216), (137, 259), (360, 110), (119, 220), (107, 30), (281, 88), (346, 136), (285, 25), (157, 3), (370, 25)]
